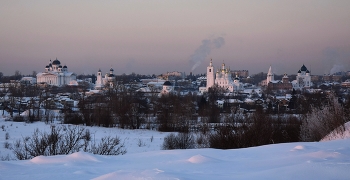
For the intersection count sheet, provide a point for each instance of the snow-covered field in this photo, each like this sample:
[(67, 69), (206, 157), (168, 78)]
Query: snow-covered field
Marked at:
[(145, 159)]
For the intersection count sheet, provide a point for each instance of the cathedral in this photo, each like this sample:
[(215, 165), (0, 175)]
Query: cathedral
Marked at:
[(222, 78), (101, 81), (55, 74), (303, 79)]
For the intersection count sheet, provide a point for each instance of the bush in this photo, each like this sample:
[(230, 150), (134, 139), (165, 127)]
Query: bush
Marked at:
[(223, 138), (185, 141), (322, 121), (202, 141), (108, 146), (255, 130), (179, 141), (19, 119), (7, 145), (170, 142), (63, 141), (73, 118)]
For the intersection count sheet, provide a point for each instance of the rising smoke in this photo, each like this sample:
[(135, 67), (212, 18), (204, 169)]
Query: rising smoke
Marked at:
[(333, 61), (204, 50), (336, 69)]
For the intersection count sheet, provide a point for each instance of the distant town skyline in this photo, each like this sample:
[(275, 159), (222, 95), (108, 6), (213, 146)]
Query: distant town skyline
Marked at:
[(153, 37)]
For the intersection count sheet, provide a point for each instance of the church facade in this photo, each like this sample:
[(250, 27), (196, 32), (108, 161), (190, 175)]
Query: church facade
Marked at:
[(57, 75), (222, 78), (108, 79), (303, 79)]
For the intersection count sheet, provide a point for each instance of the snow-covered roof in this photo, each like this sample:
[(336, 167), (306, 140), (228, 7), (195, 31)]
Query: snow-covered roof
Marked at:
[(248, 100), (235, 101)]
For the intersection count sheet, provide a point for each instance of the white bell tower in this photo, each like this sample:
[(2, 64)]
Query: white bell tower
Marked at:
[(99, 82), (210, 75)]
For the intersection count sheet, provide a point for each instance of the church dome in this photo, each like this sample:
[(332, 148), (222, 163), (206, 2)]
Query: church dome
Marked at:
[(64, 66), (56, 62), (110, 75), (111, 69), (299, 71), (60, 66), (47, 66), (303, 68), (167, 83), (307, 71)]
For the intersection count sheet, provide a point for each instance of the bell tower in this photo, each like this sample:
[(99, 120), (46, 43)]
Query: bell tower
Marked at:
[(210, 75), (99, 82)]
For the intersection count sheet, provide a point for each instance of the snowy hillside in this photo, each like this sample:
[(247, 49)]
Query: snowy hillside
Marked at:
[(145, 160), (339, 135)]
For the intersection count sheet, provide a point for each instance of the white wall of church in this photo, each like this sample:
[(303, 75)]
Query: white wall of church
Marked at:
[(55, 74)]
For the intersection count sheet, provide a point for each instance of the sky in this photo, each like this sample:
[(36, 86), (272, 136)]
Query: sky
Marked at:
[(153, 37)]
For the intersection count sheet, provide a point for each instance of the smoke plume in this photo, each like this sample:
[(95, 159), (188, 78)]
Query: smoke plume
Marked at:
[(201, 53), (335, 60), (337, 68)]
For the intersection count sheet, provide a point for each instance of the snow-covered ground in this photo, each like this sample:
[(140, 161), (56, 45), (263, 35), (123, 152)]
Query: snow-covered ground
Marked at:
[(145, 159), (336, 135)]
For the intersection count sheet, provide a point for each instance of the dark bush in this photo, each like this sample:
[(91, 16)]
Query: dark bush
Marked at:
[(223, 138), (19, 119), (73, 118), (64, 140), (108, 146), (179, 141)]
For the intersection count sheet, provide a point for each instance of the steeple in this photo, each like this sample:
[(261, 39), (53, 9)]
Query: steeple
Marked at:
[(270, 76), (270, 71)]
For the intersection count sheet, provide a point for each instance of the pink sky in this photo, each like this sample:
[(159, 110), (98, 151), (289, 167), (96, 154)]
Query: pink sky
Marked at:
[(152, 37)]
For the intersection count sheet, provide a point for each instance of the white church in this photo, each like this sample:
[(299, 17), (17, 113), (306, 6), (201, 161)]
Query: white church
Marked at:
[(108, 79), (222, 78), (303, 79), (57, 75)]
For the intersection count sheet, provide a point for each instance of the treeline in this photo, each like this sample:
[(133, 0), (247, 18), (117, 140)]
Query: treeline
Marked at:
[(239, 132), (122, 106), (260, 128)]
